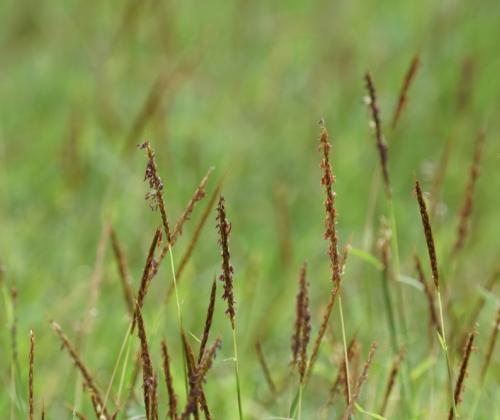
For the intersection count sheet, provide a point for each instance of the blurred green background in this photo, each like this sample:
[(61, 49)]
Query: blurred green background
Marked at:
[(241, 86)]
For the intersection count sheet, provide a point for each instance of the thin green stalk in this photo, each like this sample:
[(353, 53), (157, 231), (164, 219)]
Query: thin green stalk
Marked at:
[(390, 313), (118, 359), (407, 386), (444, 346), (346, 358), (237, 372), (301, 386), (397, 268), (122, 376), (179, 317)]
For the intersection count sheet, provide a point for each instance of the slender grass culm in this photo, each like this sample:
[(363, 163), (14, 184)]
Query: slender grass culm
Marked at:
[(226, 277), (429, 238)]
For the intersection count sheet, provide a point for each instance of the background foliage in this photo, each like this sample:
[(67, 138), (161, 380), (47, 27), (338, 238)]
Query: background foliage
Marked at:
[(246, 83)]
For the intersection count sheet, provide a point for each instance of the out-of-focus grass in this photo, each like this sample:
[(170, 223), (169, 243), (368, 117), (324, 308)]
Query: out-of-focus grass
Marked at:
[(252, 79)]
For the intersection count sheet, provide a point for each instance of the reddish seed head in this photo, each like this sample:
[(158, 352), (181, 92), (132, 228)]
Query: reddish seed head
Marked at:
[(224, 228)]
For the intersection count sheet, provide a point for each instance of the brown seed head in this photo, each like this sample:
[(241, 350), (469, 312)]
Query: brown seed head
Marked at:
[(467, 206), (459, 386), (302, 330), (198, 195), (172, 398), (197, 378), (224, 228), (429, 238), (31, 404), (403, 94), (155, 195), (428, 293), (148, 376), (359, 383), (379, 136), (87, 376), (208, 321), (328, 181)]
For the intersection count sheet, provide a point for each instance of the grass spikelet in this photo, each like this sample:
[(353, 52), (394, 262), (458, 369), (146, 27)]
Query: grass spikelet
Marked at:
[(224, 228), (172, 398), (491, 346), (429, 238), (146, 277), (191, 367), (466, 211), (433, 318), (208, 320), (360, 381), (155, 195), (123, 272), (31, 405), (197, 378), (265, 367), (403, 93), (392, 380), (198, 195), (371, 101), (459, 386), (87, 376), (302, 328), (148, 376), (328, 181)]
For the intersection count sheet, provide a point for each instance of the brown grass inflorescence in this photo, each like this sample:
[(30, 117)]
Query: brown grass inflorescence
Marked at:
[(31, 404), (392, 380), (208, 320), (155, 195), (302, 328), (491, 346), (433, 317), (459, 386), (466, 210), (265, 367), (224, 228), (172, 398), (379, 136), (360, 381), (94, 392), (148, 376), (429, 238), (146, 275), (197, 378), (403, 93), (198, 195), (123, 272)]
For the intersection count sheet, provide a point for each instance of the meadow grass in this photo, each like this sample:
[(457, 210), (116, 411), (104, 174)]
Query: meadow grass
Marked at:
[(238, 89)]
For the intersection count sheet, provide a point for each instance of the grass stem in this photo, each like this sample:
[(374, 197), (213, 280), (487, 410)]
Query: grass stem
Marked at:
[(444, 346), (237, 373), (346, 357)]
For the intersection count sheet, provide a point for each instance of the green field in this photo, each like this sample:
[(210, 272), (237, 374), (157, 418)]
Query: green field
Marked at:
[(241, 86)]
